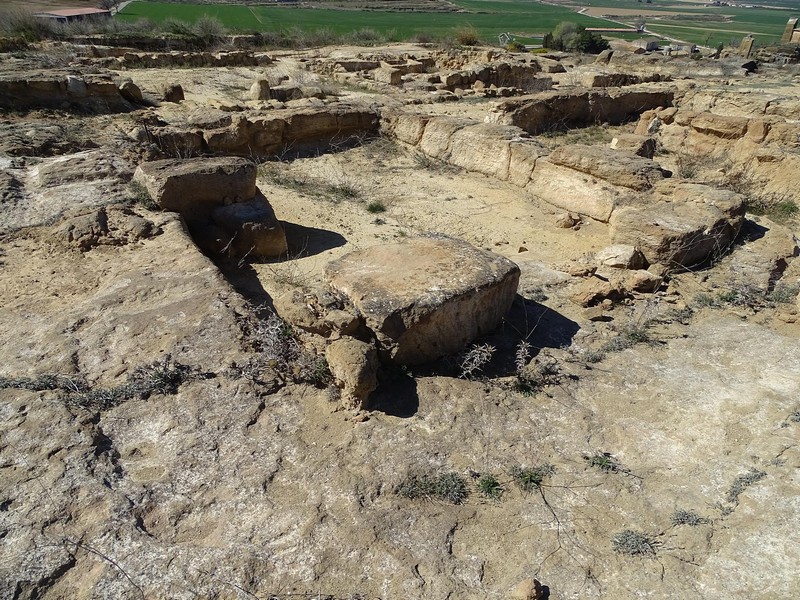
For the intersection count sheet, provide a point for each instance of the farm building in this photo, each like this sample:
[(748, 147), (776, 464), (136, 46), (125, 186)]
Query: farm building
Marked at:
[(68, 15)]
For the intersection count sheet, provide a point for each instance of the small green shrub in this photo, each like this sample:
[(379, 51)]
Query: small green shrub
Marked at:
[(707, 300), (594, 356), (376, 207), (743, 294), (365, 36), (138, 194), (628, 336), (633, 543), (209, 28), (516, 46), (603, 461), (530, 479), (490, 487), (784, 293), (448, 487), (467, 36)]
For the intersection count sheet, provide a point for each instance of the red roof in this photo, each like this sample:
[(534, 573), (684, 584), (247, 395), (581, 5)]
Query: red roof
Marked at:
[(75, 12)]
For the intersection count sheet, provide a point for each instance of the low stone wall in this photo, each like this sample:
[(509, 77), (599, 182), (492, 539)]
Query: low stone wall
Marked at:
[(672, 222), (265, 135), (557, 110), (84, 93)]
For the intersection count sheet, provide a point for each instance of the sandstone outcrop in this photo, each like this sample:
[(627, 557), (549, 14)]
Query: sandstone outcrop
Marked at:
[(85, 93), (220, 202), (259, 90), (173, 93), (556, 110), (270, 134), (426, 297), (616, 167), (354, 366), (687, 225), (196, 186)]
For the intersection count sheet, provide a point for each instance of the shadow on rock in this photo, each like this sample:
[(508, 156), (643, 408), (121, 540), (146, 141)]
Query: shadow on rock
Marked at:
[(244, 279), (396, 394), (308, 241), (530, 321), (541, 326)]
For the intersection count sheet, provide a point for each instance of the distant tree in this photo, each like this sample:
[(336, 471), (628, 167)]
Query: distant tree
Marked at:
[(590, 43), (573, 37)]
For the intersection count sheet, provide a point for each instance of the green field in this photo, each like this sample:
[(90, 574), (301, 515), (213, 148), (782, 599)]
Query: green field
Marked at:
[(490, 18), (766, 24), (519, 17)]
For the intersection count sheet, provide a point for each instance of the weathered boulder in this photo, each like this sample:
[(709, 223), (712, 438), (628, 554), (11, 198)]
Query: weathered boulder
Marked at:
[(319, 312), (620, 256), (388, 75), (173, 93), (618, 167), (428, 296), (196, 186), (259, 90), (720, 126), (641, 145), (641, 281), (594, 290), (85, 93), (113, 225), (486, 148), (286, 92), (354, 366), (574, 191), (251, 229), (686, 224), (268, 134), (130, 91), (528, 589)]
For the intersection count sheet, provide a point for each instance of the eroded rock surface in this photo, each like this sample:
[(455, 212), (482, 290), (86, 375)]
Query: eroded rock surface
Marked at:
[(426, 297)]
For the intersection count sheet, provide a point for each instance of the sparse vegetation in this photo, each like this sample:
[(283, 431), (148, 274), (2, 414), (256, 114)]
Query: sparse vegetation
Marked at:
[(744, 294), (467, 35), (475, 359), (160, 377), (376, 206), (43, 382), (447, 486), (138, 194), (537, 375), (634, 543), (628, 336), (283, 353), (603, 461), (784, 293), (490, 487), (164, 376), (742, 482), (688, 517), (530, 479)]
